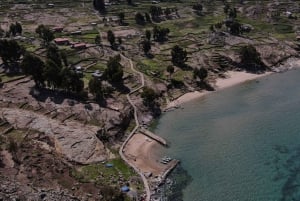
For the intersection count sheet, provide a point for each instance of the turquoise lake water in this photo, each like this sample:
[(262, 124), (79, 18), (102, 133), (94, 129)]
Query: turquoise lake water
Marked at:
[(241, 143)]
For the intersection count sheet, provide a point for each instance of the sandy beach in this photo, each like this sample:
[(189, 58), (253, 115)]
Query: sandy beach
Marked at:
[(232, 78), (140, 150)]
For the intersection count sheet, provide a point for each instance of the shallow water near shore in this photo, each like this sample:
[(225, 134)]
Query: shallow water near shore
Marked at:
[(239, 144)]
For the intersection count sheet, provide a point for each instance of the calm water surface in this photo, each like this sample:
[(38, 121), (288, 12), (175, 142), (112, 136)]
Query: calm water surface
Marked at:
[(240, 144)]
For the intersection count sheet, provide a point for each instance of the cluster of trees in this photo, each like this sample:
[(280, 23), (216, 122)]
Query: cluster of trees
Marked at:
[(235, 28), (10, 53), (250, 59), (142, 19), (99, 5), (230, 12), (45, 33), (146, 43), (157, 11), (198, 8), (54, 71), (14, 29), (200, 73), (149, 95), (111, 39), (113, 74), (231, 23), (179, 56), (114, 71), (95, 88), (98, 40), (121, 18), (160, 34)]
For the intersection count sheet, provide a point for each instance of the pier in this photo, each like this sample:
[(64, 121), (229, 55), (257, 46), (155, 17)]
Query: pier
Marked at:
[(153, 136)]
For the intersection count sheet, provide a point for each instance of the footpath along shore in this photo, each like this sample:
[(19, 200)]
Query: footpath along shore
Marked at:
[(138, 148)]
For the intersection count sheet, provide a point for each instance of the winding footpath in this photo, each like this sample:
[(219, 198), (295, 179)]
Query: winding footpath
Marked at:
[(146, 184)]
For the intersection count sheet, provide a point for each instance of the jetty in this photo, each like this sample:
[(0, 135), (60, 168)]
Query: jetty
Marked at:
[(153, 136), (173, 164)]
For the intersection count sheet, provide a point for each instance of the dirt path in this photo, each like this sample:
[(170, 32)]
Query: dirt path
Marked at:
[(121, 151)]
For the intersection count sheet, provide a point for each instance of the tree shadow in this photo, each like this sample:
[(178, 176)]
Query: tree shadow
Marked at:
[(56, 96), (185, 67), (149, 55), (205, 85), (120, 87)]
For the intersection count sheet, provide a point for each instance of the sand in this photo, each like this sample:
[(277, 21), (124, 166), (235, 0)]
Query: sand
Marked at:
[(232, 78), (140, 150)]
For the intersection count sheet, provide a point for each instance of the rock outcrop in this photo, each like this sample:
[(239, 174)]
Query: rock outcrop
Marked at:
[(76, 141)]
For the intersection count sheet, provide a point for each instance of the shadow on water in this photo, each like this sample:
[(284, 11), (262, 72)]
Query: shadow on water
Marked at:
[(180, 179), (288, 172)]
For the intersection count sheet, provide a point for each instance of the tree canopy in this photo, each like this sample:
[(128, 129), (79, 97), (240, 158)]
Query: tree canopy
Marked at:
[(179, 56), (114, 71), (160, 34), (139, 19), (155, 11), (148, 96), (10, 52), (146, 44), (99, 5), (201, 73), (53, 54), (111, 38), (95, 88), (34, 66), (250, 59), (148, 34), (45, 33)]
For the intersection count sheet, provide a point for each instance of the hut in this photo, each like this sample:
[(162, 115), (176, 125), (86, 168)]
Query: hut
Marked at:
[(62, 41), (79, 46)]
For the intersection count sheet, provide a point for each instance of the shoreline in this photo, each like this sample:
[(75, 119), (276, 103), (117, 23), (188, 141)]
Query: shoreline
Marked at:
[(232, 78), (142, 152)]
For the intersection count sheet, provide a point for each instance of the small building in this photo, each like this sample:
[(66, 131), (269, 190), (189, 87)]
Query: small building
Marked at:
[(62, 41), (79, 46), (58, 29)]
